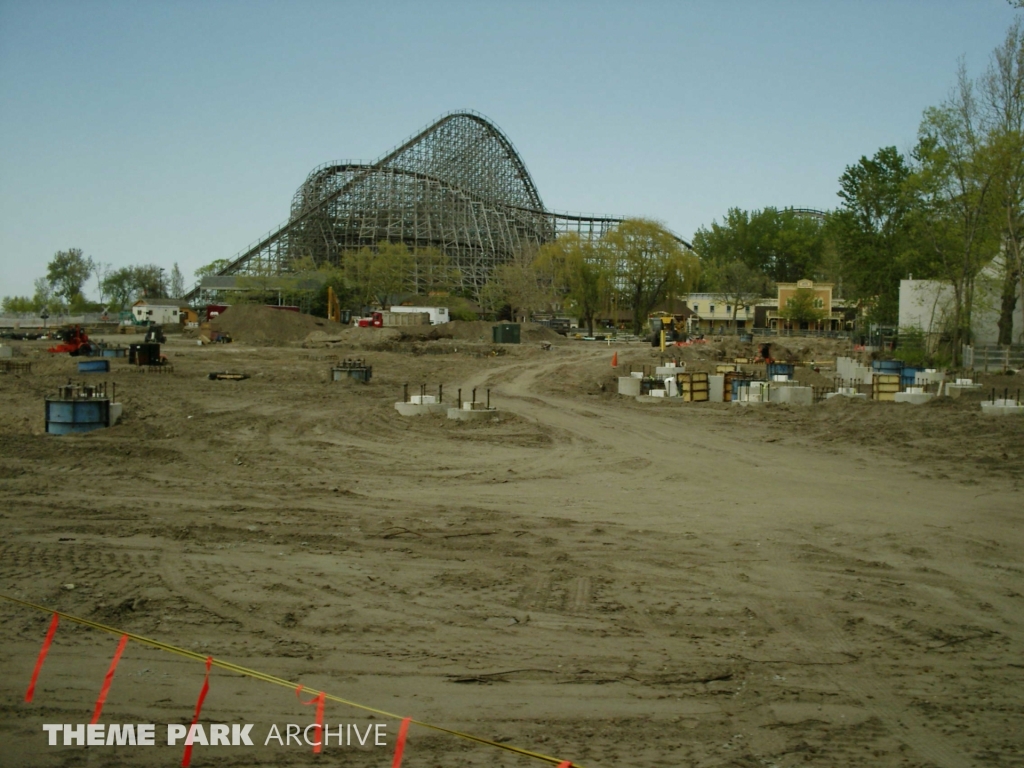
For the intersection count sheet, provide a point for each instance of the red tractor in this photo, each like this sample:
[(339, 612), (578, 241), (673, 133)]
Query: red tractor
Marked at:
[(76, 341)]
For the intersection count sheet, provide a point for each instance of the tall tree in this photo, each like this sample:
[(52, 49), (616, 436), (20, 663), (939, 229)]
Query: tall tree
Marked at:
[(783, 245), (67, 272), (177, 282), (213, 268), (125, 285), (1002, 113), (871, 229), (736, 284), (433, 272), (802, 307), (517, 285), (579, 273), (379, 276), (953, 184), (648, 266)]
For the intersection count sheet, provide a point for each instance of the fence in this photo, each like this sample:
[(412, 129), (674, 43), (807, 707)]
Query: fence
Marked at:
[(993, 357)]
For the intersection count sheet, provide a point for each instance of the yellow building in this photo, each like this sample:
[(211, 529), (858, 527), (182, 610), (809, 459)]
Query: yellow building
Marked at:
[(822, 302)]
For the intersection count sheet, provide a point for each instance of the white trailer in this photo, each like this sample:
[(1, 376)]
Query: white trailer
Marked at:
[(438, 315)]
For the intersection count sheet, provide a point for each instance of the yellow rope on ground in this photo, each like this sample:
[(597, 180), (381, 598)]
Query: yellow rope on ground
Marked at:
[(246, 672)]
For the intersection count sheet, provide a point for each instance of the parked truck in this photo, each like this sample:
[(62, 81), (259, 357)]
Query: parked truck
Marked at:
[(438, 315)]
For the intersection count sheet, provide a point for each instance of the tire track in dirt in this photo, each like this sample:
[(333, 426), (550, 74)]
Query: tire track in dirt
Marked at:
[(819, 639)]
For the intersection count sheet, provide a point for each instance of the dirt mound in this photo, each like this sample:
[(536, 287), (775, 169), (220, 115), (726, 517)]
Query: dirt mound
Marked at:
[(457, 330), (255, 323)]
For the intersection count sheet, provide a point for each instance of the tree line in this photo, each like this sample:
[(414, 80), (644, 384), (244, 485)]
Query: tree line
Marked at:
[(62, 289), (951, 210)]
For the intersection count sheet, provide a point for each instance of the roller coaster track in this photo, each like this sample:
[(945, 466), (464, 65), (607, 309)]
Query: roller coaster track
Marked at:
[(458, 185)]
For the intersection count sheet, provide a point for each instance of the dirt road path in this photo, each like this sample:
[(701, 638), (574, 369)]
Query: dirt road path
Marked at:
[(614, 583)]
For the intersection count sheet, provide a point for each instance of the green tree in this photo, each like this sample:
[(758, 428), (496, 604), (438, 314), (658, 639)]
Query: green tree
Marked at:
[(736, 284), (19, 305), (518, 286), (67, 272), (45, 298), (871, 230), (379, 276), (954, 189), (126, 285), (433, 272), (176, 285), (579, 273), (1002, 114), (785, 246), (213, 268), (648, 265), (802, 307)]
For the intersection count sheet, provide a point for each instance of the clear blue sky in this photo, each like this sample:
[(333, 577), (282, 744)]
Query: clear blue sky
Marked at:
[(177, 131)]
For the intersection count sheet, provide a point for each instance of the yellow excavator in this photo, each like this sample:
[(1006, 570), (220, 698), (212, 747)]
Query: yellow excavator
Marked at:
[(333, 305), (674, 327)]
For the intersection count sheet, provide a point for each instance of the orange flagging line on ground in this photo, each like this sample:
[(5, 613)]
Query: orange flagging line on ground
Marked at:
[(246, 672)]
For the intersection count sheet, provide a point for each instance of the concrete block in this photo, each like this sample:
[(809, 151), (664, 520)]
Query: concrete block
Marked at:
[(116, 409), (793, 395), (758, 392), (469, 414), (854, 395), (716, 388), (420, 409), (957, 389), (916, 398), (924, 378), (1002, 408), (629, 386), (669, 370)]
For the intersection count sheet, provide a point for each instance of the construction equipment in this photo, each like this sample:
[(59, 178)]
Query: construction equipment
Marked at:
[(674, 327), (76, 341), (155, 334), (333, 305)]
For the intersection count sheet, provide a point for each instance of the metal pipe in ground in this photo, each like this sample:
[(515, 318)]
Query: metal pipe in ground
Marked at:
[(405, 393)]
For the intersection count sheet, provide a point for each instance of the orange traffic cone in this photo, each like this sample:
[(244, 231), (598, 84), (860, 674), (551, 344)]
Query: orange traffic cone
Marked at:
[(615, 360)]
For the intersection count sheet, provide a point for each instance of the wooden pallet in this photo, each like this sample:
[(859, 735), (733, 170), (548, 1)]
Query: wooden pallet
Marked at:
[(15, 366), (693, 387), (884, 386)]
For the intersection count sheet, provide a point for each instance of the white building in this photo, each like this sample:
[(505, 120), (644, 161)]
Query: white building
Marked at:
[(928, 306), (713, 312), (157, 311)]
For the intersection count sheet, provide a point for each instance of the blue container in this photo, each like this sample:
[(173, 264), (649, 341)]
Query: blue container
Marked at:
[(94, 366), (736, 384), (780, 369), (887, 366), (64, 417), (908, 376), (113, 352)]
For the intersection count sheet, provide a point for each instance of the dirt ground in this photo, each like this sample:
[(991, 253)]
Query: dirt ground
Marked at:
[(600, 580)]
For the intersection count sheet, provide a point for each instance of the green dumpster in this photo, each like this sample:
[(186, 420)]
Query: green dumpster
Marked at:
[(506, 333)]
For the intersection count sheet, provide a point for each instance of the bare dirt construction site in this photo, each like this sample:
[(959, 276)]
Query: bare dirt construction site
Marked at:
[(604, 581)]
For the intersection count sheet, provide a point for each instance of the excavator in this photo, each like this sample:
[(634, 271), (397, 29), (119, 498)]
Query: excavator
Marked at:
[(673, 325), (333, 305), (75, 341)]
